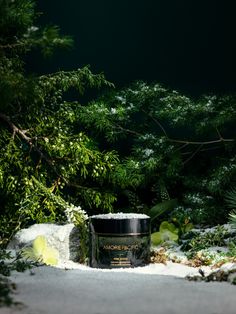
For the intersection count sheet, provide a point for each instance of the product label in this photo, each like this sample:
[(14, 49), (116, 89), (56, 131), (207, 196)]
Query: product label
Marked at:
[(122, 251)]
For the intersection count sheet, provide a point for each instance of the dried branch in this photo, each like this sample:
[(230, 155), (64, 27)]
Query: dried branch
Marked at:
[(220, 140), (127, 130), (15, 129)]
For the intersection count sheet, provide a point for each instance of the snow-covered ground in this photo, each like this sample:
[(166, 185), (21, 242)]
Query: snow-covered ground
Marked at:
[(170, 269)]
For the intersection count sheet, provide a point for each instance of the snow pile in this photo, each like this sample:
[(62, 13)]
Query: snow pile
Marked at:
[(120, 216)]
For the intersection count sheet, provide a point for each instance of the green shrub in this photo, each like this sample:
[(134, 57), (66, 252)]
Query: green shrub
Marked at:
[(47, 161), (178, 144)]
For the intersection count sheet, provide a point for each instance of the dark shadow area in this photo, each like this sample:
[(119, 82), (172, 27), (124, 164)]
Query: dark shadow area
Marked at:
[(185, 45)]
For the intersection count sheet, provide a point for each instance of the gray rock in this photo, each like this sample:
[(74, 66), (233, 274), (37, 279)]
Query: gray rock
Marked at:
[(64, 238)]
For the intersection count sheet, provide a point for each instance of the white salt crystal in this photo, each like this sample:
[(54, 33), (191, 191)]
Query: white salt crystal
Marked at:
[(120, 216)]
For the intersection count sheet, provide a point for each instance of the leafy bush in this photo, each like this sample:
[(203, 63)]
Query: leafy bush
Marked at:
[(9, 263), (136, 149), (47, 162), (231, 202), (217, 237), (177, 144)]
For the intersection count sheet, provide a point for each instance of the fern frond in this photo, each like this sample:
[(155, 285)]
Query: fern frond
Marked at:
[(230, 198)]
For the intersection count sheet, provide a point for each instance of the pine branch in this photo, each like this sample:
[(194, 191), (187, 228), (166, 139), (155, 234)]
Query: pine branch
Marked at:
[(15, 45), (29, 140)]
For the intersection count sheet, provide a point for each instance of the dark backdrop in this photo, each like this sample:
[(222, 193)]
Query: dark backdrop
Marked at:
[(184, 44)]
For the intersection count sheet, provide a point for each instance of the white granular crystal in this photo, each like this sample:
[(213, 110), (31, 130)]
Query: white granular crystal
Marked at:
[(120, 216)]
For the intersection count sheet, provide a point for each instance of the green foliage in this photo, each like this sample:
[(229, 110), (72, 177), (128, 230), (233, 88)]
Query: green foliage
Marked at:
[(79, 218), (231, 249), (167, 232), (181, 217), (19, 33), (162, 208), (47, 161), (231, 202), (198, 242), (134, 148), (8, 263), (186, 145), (6, 289)]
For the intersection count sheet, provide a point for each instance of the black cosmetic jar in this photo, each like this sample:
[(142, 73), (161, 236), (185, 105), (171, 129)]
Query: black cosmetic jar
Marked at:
[(119, 240)]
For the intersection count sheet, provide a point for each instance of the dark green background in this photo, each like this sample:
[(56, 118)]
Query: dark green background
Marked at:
[(186, 45)]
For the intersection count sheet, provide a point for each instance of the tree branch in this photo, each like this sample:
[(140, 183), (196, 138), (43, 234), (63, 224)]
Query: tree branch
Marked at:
[(15, 129), (220, 140), (29, 140), (15, 45), (117, 126)]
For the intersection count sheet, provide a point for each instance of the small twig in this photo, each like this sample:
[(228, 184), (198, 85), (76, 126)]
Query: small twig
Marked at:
[(218, 132), (12, 46), (128, 130), (157, 122), (181, 147), (15, 129), (201, 143), (202, 150), (193, 154)]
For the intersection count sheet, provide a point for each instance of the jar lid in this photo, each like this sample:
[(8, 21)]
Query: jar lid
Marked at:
[(120, 224)]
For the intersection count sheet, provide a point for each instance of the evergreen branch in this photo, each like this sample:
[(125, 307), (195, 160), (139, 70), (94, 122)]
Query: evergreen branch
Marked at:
[(29, 140), (15, 45)]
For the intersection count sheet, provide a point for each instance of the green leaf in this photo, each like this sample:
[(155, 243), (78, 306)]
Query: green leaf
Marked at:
[(167, 232), (188, 227), (165, 225), (156, 238), (161, 208)]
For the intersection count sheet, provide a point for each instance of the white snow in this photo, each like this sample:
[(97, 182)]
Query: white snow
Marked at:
[(120, 216), (170, 269)]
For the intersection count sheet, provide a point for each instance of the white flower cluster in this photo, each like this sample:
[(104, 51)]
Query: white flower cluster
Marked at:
[(148, 152), (131, 106), (72, 211), (113, 111), (30, 30), (121, 99)]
